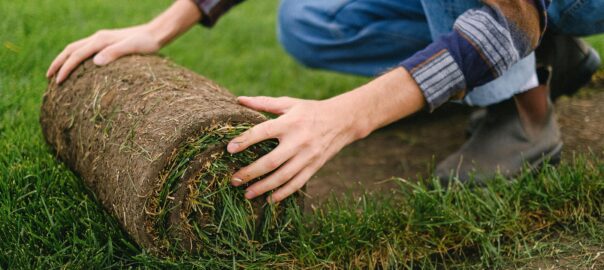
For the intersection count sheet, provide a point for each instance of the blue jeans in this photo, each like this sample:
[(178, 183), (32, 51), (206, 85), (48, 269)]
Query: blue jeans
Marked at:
[(368, 37)]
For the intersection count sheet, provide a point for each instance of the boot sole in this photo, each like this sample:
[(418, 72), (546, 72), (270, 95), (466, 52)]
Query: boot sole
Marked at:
[(553, 157)]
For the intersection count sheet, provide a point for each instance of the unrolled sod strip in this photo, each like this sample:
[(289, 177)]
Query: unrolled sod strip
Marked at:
[(148, 138)]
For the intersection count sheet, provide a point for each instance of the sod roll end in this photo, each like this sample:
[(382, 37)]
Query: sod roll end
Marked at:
[(148, 138)]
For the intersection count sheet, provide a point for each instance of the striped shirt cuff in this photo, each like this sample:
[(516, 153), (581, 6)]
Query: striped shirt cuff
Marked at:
[(213, 9), (495, 41), (439, 77)]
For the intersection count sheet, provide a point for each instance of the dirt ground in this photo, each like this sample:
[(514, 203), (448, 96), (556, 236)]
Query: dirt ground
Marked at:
[(411, 147)]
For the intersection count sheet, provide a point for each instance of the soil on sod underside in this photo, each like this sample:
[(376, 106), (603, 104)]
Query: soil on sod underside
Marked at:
[(410, 148)]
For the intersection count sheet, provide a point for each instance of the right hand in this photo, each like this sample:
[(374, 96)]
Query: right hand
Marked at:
[(108, 45)]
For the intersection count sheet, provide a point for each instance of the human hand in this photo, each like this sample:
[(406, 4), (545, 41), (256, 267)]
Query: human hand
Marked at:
[(108, 45), (310, 132)]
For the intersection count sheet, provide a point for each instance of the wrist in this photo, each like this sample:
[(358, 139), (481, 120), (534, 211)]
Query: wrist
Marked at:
[(181, 16), (396, 95), (386, 99), (162, 34), (350, 117)]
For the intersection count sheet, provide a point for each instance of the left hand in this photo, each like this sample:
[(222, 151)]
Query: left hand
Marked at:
[(310, 132)]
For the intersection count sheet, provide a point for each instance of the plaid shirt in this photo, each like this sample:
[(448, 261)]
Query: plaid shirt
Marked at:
[(484, 43)]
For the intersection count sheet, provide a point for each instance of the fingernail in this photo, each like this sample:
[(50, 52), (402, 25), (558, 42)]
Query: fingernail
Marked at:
[(232, 147), (100, 60), (249, 194), (236, 181)]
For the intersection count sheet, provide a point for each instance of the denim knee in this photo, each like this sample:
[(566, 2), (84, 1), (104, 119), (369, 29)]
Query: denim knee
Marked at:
[(295, 30), (352, 36), (576, 17)]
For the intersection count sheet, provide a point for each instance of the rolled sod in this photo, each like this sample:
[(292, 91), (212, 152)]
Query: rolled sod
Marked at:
[(148, 138)]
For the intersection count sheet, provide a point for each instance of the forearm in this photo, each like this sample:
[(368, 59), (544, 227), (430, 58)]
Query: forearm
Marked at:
[(177, 19), (384, 100)]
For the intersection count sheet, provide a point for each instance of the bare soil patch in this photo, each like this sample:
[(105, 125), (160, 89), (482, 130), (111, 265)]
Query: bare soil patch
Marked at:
[(409, 148)]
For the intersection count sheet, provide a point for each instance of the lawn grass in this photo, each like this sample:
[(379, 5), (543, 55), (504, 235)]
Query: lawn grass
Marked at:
[(49, 220)]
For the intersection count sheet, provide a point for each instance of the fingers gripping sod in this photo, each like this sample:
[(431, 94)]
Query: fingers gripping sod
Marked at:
[(308, 133), (108, 45), (277, 106), (294, 185), (78, 56), (60, 59), (258, 133), (269, 162), (280, 177), (284, 162), (111, 53)]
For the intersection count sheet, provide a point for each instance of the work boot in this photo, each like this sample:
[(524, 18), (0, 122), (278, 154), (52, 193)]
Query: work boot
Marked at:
[(503, 143), (564, 63)]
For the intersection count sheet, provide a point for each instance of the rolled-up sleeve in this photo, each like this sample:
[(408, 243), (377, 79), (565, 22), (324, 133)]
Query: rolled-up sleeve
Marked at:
[(484, 44), (212, 10)]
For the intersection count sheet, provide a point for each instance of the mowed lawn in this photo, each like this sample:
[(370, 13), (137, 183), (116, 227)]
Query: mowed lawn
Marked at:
[(47, 218)]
